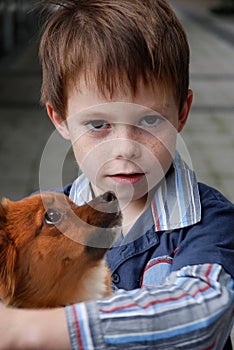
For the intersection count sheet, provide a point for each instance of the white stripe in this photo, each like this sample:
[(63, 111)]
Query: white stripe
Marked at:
[(179, 210), (161, 209), (201, 321), (81, 310)]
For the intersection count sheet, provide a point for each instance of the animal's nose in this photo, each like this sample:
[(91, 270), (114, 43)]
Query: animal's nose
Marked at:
[(108, 197)]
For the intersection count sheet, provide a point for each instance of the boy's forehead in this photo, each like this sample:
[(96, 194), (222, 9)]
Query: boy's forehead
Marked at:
[(88, 101), (116, 111)]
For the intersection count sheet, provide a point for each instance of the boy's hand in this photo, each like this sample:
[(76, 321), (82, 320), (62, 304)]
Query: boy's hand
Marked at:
[(9, 328), (13, 329), (22, 329)]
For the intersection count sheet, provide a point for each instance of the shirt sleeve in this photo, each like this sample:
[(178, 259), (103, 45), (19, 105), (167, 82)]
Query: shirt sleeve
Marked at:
[(212, 239), (193, 310)]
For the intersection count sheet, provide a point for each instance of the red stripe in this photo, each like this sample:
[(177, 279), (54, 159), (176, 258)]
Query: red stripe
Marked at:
[(146, 306), (211, 347), (208, 273), (152, 303), (158, 262), (208, 280), (201, 291), (77, 327), (159, 301), (157, 223)]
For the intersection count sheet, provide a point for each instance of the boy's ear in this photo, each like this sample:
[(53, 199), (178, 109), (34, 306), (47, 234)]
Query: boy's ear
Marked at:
[(58, 122), (183, 115)]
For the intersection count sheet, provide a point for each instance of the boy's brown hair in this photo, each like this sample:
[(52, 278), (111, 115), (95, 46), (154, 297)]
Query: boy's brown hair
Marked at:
[(114, 44)]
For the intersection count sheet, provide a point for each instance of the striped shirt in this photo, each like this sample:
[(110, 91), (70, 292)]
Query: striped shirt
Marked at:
[(176, 288), (176, 201)]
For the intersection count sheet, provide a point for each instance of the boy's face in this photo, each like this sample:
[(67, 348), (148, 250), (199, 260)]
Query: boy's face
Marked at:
[(125, 144)]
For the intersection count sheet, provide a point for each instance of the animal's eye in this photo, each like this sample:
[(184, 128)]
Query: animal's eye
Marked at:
[(53, 216)]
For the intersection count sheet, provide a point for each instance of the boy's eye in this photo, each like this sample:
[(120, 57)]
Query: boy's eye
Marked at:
[(98, 125), (151, 120)]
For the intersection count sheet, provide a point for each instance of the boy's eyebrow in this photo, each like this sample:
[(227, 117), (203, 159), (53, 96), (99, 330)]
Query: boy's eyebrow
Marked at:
[(164, 104), (94, 113), (99, 113)]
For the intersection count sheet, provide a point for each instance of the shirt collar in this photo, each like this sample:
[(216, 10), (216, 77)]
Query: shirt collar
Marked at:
[(81, 191), (176, 203)]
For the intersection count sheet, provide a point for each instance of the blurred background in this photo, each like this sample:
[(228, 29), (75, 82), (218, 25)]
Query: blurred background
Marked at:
[(24, 126), (25, 129)]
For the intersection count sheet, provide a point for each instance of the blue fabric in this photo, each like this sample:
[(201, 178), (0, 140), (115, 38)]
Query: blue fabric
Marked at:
[(150, 259), (209, 241)]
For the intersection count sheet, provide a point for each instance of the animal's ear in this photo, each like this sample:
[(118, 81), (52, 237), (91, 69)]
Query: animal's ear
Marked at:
[(7, 256), (4, 242), (4, 238), (3, 210), (7, 266)]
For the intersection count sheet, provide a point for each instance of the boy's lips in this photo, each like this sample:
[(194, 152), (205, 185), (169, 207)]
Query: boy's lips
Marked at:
[(127, 178)]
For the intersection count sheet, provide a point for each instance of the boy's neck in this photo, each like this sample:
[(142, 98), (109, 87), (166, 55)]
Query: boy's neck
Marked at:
[(132, 211)]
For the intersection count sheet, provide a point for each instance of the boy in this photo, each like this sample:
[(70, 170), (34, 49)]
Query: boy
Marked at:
[(115, 82)]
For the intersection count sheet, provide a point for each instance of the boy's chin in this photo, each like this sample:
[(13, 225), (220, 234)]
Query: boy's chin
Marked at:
[(129, 194)]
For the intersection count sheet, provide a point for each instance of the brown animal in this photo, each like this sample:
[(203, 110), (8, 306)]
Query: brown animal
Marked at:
[(52, 251)]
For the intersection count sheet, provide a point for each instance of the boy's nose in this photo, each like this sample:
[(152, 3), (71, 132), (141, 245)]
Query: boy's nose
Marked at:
[(127, 145)]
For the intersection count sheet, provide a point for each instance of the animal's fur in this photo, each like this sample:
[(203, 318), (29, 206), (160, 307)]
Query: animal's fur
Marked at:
[(46, 264)]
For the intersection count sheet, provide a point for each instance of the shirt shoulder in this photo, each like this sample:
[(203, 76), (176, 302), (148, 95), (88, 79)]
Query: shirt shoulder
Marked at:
[(209, 194), (211, 239)]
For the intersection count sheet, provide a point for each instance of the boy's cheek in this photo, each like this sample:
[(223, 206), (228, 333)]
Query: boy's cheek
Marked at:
[(163, 146), (89, 156), (162, 163)]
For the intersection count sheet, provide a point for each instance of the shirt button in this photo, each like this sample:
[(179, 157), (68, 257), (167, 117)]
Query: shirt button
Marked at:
[(115, 278)]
